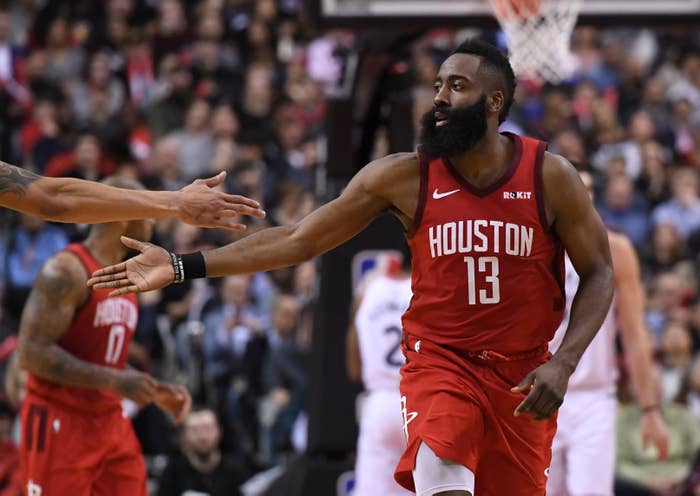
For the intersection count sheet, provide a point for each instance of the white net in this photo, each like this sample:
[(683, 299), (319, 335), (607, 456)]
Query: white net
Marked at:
[(539, 34)]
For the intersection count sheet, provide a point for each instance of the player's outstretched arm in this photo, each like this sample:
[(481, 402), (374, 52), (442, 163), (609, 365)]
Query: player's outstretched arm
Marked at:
[(75, 200), (636, 342), (365, 197), (58, 291), (581, 231)]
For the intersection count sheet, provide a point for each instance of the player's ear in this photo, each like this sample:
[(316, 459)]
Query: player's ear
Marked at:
[(495, 101)]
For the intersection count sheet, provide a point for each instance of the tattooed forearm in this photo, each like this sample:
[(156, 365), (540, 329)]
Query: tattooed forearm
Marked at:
[(15, 180), (58, 290), (55, 364)]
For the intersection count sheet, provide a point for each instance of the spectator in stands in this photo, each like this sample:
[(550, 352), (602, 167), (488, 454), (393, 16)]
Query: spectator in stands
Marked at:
[(639, 472), (87, 161), (655, 104), (653, 182), (163, 169), (22, 254), (215, 66), (225, 126), (689, 394), (294, 204), (665, 299), (665, 250), (641, 130), (284, 377), (172, 95), (258, 95), (201, 467), (196, 144), (172, 29), (683, 209), (99, 96), (570, 145), (623, 210), (685, 83), (676, 355), (229, 327), (63, 61)]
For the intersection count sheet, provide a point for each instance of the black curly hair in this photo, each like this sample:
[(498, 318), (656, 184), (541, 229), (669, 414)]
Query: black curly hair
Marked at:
[(494, 64)]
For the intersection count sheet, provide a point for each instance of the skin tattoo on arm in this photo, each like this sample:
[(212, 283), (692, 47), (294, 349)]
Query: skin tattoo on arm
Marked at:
[(15, 180), (44, 323)]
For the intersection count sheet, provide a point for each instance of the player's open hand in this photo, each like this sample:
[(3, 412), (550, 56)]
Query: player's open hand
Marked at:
[(545, 386), (201, 204), (173, 399), (653, 430), (151, 269), (139, 387)]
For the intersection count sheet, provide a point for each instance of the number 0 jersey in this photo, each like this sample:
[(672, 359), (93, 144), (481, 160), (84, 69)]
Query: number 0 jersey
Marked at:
[(100, 333), (487, 272), (378, 324)]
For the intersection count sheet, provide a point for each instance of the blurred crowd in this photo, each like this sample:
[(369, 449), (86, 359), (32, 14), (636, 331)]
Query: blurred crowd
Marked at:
[(173, 90), (167, 92)]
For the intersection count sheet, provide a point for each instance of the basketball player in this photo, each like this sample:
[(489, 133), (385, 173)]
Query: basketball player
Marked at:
[(487, 217), (374, 356), (65, 199), (585, 439), (73, 341)]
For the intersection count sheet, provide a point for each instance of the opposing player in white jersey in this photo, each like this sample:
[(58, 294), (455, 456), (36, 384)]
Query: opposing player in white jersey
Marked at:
[(583, 451), (374, 355)]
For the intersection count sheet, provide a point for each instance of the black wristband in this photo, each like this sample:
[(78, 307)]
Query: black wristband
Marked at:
[(177, 268), (651, 408), (193, 265)]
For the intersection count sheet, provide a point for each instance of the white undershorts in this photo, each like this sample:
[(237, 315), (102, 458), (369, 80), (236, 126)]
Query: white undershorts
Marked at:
[(434, 475)]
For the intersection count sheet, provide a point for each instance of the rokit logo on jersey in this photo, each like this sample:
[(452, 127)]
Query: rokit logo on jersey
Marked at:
[(517, 195)]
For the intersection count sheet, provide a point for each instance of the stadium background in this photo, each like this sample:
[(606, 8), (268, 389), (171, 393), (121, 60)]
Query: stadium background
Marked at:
[(291, 98)]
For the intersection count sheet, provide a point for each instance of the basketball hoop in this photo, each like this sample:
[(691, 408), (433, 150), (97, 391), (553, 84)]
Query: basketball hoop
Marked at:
[(538, 33)]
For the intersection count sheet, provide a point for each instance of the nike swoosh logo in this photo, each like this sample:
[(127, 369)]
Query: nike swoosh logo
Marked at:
[(437, 196)]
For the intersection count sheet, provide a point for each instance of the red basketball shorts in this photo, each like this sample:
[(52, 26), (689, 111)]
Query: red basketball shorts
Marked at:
[(462, 408), (65, 452)]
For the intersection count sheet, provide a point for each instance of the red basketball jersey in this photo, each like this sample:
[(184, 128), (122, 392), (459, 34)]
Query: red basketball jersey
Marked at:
[(100, 333), (487, 271)]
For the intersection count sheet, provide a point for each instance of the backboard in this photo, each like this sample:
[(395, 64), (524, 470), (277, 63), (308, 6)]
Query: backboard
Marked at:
[(476, 12)]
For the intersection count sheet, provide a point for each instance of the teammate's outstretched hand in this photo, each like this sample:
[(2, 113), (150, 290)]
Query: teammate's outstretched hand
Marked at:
[(173, 399), (545, 386), (152, 269), (203, 205)]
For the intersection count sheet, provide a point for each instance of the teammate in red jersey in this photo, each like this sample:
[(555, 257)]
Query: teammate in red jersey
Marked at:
[(65, 199), (488, 217), (74, 341)]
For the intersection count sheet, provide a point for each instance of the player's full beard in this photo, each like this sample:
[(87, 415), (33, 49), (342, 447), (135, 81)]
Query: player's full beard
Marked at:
[(464, 129)]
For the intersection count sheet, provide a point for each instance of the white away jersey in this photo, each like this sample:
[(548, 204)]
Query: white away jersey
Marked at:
[(598, 366), (379, 331)]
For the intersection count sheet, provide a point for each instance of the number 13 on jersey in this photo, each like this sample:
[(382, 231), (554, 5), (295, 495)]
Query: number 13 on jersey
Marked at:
[(486, 267)]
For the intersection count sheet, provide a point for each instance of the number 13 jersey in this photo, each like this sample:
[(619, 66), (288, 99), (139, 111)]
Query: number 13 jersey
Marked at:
[(100, 333), (487, 272)]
